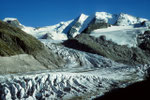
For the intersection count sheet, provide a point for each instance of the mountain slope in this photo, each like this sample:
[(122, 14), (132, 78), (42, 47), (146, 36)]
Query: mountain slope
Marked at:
[(125, 19), (14, 41), (76, 28), (55, 32), (85, 76), (108, 49), (138, 91)]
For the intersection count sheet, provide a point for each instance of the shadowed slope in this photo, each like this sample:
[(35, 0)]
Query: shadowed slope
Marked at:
[(136, 91), (109, 49)]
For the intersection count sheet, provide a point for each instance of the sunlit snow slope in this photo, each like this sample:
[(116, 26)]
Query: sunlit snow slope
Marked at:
[(122, 35)]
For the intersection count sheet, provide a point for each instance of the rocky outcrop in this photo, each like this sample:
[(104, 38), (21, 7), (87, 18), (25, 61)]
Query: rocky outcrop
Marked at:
[(109, 49), (14, 22), (146, 24), (77, 26), (144, 41), (47, 36), (95, 25)]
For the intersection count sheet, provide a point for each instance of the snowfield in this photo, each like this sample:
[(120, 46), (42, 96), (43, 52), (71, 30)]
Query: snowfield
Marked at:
[(122, 35), (54, 32)]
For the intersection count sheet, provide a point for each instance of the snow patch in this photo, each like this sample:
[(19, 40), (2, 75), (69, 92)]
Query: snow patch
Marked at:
[(54, 32), (105, 17), (122, 35), (9, 19)]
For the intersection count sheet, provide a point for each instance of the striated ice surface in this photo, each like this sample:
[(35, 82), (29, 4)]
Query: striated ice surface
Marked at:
[(64, 85), (85, 75)]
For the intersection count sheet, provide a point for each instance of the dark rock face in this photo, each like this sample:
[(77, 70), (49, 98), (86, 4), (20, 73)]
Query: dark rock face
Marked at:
[(146, 24), (144, 41), (136, 91), (143, 24), (73, 29), (109, 49), (95, 25), (46, 36)]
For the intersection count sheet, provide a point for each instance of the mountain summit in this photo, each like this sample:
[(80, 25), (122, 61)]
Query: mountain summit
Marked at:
[(63, 30)]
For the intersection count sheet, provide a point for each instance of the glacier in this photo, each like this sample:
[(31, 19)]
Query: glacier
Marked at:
[(84, 75)]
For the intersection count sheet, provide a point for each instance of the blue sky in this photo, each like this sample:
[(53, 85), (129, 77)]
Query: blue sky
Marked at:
[(48, 12)]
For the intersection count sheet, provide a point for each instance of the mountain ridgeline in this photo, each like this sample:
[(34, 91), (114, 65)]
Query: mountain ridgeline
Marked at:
[(81, 24), (109, 49), (77, 34)]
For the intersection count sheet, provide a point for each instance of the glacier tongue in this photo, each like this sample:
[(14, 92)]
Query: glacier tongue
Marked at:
[(65, 85), (85, 75)]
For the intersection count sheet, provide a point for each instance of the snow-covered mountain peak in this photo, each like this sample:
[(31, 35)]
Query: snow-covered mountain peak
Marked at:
[(54, 32), (82, 17), (103, 15), (76, 26), (126, 19)]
